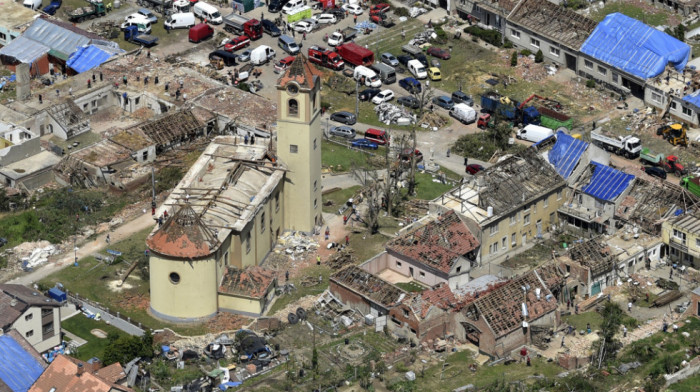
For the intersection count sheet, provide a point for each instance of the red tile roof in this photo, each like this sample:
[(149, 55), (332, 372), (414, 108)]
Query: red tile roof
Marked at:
[(62, 374), (112, 373), (183, 235), (439, 296), (438, 244), (300, 71), (252, 281)]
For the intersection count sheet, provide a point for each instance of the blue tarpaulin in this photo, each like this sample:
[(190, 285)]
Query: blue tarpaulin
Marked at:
[(606, 183), (87, 58), (565, 153), (634, 47), (18, 369), (230, 384), (57, 294), (693, 98)]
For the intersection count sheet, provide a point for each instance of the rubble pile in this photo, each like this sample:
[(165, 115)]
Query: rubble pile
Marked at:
[(29, 255), (296, 245), (432, 120), (341, 259), (306, 302), (391, 114)]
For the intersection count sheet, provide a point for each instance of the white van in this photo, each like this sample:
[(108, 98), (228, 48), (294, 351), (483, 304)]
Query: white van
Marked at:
[(33, 4), (206, 11), (183, 20), (417, 69), (291, 5), (464, 113), (534, 133), (261, 55), (143, 25), (370, 77)]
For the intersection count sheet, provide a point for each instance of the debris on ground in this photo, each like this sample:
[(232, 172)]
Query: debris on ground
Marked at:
[(389, 113)]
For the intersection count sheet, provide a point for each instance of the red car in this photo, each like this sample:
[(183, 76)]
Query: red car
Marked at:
[(474, 168), (439, 53), (237, 43), (283, 64), (381, 7)]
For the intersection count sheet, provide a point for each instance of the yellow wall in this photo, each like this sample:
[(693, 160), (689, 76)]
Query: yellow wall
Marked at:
[(4, 143), (302, 199), (241, 304), (195, 296), (506, 228), (691, 247)]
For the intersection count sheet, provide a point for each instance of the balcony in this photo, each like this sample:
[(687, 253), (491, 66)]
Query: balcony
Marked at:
[(677, 243), (581, 212)]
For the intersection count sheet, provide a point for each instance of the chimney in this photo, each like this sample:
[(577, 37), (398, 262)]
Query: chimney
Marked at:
[(80, 370), (13, 302)]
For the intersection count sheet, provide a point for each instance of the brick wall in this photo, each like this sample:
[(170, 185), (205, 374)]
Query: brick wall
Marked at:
[(694, 304)]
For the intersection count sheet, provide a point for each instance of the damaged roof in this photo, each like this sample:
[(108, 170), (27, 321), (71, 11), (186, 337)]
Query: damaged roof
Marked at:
[(183, 235), (103, 153), (132, 138), (238, 106), (252, 281), (438, 244), (603, 182), (438, 297), (171, 127), (554, 22), (302, 72), (688, 222), (594, 255), (369, 286), (62, 375)]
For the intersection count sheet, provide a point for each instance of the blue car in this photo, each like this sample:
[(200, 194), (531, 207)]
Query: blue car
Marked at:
[(364, 143), (444, 102), (410, 84), (53, 7)]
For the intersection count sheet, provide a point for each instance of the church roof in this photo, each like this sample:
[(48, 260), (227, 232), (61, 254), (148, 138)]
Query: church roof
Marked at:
[(184, 235), (302, 72)]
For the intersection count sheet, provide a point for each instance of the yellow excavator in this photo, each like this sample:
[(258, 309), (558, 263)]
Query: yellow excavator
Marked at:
[(676, 134)]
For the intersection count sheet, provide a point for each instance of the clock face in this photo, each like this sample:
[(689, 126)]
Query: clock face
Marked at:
[(292, 89)]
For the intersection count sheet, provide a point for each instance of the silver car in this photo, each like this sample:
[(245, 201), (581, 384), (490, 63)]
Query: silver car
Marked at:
[(389, 59), (343, 131), (244, 56)]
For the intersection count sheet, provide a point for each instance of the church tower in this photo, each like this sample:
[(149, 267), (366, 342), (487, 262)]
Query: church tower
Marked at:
[(299, 143)]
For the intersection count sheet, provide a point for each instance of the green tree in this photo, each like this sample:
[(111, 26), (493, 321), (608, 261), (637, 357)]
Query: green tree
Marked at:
[(514, 59), (125, 348), (539, 56), (314, 359), (612, 319)]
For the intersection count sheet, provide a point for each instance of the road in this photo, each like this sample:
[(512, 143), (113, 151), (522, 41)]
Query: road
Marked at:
[(117, 322)]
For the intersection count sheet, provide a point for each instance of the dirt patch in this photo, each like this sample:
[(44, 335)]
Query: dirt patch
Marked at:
[(117, 288), (99, 333)]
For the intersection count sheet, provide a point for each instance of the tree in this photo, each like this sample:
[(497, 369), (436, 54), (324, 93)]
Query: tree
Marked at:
[(424, 97), (125, 348), (539, 56), (314, 360), (612, 319), (514, 59)]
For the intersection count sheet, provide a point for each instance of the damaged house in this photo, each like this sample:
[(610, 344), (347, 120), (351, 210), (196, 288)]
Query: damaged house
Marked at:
[(23, 163), (442, 251), (503, 319), (682, 235), (247, 291), (512, 202), (364, 291)]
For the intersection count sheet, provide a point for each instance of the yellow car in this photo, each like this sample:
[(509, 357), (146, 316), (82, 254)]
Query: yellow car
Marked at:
[(434, 73)]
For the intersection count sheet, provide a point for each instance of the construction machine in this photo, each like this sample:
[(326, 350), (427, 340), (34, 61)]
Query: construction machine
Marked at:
[(676, 134)]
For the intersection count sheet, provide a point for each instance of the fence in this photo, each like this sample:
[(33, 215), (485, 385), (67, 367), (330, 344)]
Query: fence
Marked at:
[(77, 298)]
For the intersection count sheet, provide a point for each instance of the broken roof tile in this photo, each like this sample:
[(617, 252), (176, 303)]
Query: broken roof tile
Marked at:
[(183, 235), (369, 286), (252, 281)]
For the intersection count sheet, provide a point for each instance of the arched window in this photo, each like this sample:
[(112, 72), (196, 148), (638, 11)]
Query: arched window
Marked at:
[(293, 108)]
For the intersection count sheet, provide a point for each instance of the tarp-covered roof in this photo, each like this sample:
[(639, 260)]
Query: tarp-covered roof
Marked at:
[(18, 369), (565, 153), (606, 183), (87, 58), (24, 50), (634, 47), (693, 97), (55, 37)]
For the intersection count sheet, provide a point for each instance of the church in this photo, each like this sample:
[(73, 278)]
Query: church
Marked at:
[(227, 212)]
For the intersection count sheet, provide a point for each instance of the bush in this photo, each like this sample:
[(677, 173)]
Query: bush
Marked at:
[(401, 11), (590, 83), (514, 59), (539, 56), (508, 45), (525, 52), (491, 36), (575, 4)]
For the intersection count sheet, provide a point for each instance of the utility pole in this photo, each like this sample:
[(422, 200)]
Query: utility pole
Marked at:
[(357, 100), (153, 189)]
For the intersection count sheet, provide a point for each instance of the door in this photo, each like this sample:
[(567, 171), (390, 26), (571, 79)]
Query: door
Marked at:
[(539, 228), (410, 270), (595, 289), (570, 61)]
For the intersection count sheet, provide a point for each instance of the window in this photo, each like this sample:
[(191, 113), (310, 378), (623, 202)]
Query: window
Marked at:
[(29, 317), (656, 97), (602, 71), (504, 243), (262, 222), (293, 148), (459, 269), (679, 235), (144, 156), (3, 36), (697, 243), (534, 208), (588, 64), (174, 277), (674, 105), (559, 195), (515, 33), (29, 333), (405, 312), (513, 243), (398, 264), (535, 42), (46, 312), (545, 203), (687, 111), (526, 219), (315, 203), (315, 185), (277, 201), (247, 243), (293, 105), (493, 229), (137, 100), (421, 273), (315, 146), (554, 51), (526, 208), (494, 248), (513, 219), (47, 328), (226, 258), (615, 78)]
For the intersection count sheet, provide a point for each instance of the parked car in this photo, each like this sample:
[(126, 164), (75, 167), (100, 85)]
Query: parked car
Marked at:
[(326, 18), (404, 59), (353, 9), (368, 94), (389, 59), (365, 143), (337, 11), (410, 84), (461, 97), (148, 14), (303, 27), (344, 117), (409, 102), (423, 60), (473, 168), (434, 73), (343, 131), (381, 7), (655, 171), (444, 102), (239, 42), (440, 53), (244, 56), (270, 27), (283, 64), (383, 96)]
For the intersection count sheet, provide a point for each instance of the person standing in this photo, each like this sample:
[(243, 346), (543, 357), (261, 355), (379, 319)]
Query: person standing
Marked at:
[(328, 232), (629, 306), (562, 340), (624, 331), (347, 240), (124, 80), (107, 239), (318, 259), (41, 99)]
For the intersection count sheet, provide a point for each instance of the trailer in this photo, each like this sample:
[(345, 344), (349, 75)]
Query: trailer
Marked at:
[(692, 184), (239, 24), (628, 146), (132, 34), (504, 108), (554, 120), (298, 14), (88, 12)]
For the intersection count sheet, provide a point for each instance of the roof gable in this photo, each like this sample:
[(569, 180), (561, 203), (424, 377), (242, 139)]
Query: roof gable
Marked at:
[(183, 235), (302, 72)]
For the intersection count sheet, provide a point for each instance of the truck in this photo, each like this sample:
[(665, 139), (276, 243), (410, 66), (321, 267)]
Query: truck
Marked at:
[(553, 119), (326, 58), (355, 55), (239, 24), (507, 109), (88, 12), (344, 35), (692, 184), (628, 146), (132, 34), (298, 14), (53, 7), (381, 18), (159, 5), (670, 164)]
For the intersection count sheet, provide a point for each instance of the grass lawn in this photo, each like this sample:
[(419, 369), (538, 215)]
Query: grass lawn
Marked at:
[(340, 159), (84, 139), (428, 189), (91, 277), (338, 198), (580, 320), (81, 326), (365, 246), (411, 287), (301, 291), (657, 18)]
